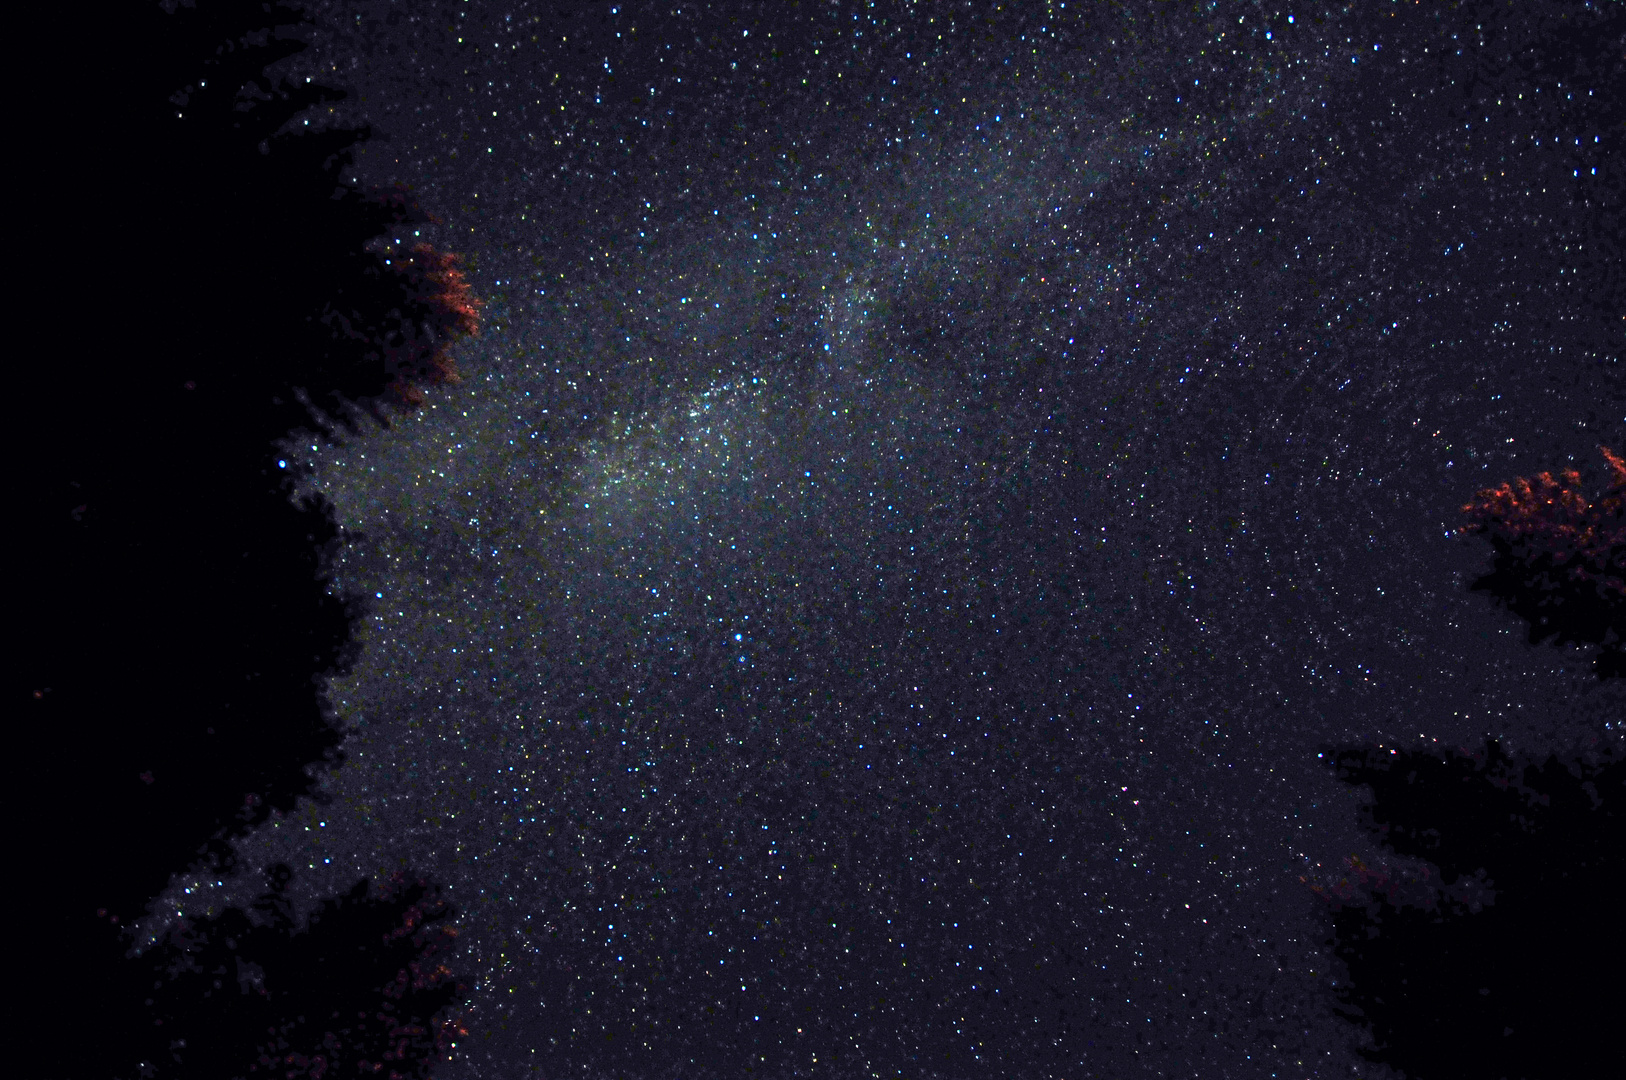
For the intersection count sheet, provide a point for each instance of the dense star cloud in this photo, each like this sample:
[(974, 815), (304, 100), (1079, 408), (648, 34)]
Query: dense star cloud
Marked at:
[(931, 482)]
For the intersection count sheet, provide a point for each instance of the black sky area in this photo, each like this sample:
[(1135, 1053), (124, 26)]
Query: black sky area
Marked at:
[(947, 527)]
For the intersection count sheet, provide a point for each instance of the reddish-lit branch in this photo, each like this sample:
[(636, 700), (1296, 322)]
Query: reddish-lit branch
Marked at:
[(1552, 517), (445, 309)]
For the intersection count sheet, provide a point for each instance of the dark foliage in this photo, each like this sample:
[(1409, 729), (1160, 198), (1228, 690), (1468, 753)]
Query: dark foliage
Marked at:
[(358, 990), (1523, 982), (177, 616), (1508, 966), (1560, 559)]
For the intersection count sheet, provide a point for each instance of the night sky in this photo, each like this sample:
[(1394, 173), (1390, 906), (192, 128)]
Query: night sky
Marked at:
[(932, 480)]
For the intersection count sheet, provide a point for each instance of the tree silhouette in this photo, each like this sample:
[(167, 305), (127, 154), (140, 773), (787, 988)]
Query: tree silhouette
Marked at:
[(1504, 968), (178, 608), (360, 988), (415, 304), (1518, 981), (1560, 559)]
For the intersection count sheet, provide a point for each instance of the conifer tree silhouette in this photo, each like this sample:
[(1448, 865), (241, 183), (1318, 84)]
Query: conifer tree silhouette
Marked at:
[(360, 988), (179, 610), (1504, 967), (1560, 559)]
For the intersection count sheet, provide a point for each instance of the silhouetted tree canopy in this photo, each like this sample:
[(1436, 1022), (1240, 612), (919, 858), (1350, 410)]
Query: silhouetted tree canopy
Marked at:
[(360, 988), (1519, 982), (1560, 559), (1498, 969), (179, 611)]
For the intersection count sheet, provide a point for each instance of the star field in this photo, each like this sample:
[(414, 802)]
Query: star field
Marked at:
[(931, 482)]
